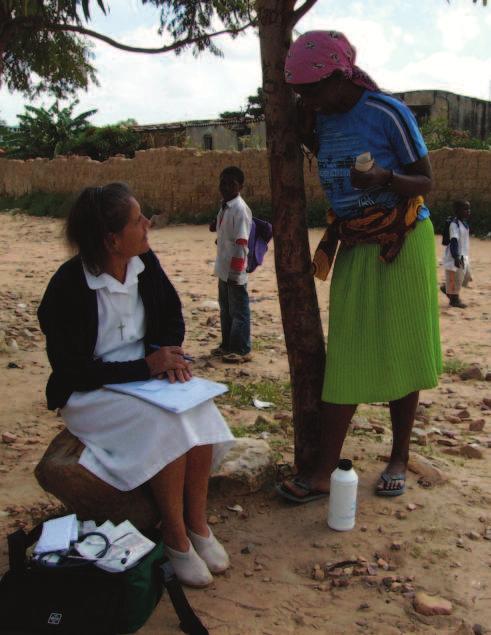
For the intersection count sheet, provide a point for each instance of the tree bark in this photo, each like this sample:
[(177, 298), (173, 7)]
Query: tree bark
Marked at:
[(297, 294)]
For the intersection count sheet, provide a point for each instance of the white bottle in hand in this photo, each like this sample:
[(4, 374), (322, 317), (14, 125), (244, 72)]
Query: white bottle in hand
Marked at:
[(364, 162), (342, 497)]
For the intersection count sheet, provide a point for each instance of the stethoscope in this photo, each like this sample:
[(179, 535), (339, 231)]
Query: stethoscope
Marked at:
[(99, 556)]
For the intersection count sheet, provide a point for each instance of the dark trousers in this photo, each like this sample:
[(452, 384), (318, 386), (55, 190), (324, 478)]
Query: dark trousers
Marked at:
[(235, 317)]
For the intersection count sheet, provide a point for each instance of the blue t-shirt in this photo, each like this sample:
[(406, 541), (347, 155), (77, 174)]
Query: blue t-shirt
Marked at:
[(379, 124)]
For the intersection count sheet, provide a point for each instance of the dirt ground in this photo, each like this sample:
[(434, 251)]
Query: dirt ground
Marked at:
[(431, 539)]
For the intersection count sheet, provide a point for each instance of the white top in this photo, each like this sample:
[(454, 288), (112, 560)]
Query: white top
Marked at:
[(459, 231), (121, 314), (234, 222)]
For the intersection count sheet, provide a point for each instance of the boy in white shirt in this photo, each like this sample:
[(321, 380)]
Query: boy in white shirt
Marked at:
[(233, 226), (456, 257)]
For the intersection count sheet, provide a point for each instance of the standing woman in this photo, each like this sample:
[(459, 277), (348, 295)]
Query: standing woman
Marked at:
[(110, 315), (383, 343)]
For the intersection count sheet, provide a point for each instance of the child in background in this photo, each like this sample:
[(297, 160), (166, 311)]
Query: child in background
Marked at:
[(456, 258), (233, 226)]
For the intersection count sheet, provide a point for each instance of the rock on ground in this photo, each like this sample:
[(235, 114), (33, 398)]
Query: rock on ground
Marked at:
[(88, 496), (431, 604), (247, 468)]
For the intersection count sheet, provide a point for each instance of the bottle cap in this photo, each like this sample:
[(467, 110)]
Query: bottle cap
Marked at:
[(345, 464)]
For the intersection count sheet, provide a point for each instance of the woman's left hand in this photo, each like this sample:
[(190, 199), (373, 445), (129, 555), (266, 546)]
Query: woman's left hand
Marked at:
[(179, 374), (376, 176)]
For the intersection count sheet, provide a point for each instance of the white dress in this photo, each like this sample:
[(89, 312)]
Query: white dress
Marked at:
[(127, 439)]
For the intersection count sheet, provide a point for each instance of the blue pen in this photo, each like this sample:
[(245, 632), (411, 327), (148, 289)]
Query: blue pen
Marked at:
[(188, 358)]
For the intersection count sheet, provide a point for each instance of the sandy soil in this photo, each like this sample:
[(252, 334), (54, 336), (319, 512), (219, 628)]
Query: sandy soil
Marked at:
[(271, 590)]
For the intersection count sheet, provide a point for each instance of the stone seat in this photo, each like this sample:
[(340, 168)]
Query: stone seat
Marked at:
[(247, 468), (60, 474)]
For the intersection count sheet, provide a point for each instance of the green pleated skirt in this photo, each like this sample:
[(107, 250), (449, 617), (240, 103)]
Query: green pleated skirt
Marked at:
[(384, 335)]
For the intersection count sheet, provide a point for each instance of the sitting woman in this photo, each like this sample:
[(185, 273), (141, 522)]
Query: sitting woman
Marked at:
[(110, 315)]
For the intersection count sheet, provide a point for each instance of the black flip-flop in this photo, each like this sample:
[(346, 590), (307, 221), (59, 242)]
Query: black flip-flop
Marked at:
[(390, 478), (311, 495)]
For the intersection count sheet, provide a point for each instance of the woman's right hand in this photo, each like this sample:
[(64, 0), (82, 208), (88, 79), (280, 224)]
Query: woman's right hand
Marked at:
[(170, 360)]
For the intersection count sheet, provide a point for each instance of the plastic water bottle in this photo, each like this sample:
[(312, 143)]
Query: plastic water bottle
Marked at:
[(342, 497), (364, 162)]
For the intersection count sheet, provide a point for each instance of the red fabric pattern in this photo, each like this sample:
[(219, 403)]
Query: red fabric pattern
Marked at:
[(237, 264)]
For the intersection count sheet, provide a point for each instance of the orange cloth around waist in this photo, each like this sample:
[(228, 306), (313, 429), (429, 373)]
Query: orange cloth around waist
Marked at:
[(377, 225)]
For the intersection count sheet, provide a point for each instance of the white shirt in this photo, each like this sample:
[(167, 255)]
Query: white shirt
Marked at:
[(234, 222), (121, 314), (459, 231)]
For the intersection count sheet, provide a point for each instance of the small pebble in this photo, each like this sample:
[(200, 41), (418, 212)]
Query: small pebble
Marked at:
[(248, 548)]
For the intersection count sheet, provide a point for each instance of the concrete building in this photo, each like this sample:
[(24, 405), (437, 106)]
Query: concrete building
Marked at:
[(212, 134), (460, 112)]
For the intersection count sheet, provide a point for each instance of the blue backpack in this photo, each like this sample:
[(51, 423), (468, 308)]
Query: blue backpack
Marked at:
[(446, 229), (261, 234)]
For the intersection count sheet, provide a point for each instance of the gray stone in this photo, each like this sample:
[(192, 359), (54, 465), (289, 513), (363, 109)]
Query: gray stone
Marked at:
[(247, 468), (420, 436), (473, 372), (9, 437), (431, 604), (477, 425), (159, 220), (360, 423), (471, 451), (426, 468)]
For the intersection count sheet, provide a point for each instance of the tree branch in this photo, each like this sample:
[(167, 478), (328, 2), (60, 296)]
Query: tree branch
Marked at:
[(135, 49), (301, 11)]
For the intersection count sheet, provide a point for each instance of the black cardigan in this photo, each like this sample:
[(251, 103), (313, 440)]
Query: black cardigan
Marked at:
[(68, 317)]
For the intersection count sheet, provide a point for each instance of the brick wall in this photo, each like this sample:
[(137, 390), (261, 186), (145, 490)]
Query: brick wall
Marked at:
[(176, 180)]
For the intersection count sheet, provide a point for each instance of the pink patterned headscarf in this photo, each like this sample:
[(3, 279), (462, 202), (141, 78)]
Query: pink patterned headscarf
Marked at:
[(315, 55)]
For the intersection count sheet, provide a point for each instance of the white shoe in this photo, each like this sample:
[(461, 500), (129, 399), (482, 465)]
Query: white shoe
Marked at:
[(211, 551), (190, 569)]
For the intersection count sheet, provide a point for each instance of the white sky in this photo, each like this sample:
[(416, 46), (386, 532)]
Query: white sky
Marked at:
[(403, 44)]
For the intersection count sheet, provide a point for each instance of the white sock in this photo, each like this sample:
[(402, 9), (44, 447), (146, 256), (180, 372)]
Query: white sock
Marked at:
[(211, 551), (189, 567)]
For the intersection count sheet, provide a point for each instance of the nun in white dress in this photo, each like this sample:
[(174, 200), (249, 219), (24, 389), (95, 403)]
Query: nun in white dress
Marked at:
[(129, 440), (102, 313)]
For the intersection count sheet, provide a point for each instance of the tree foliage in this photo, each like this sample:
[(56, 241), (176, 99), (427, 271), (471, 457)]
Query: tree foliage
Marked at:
[(35, 59), (45, 132), (254, 107), (41, 48)]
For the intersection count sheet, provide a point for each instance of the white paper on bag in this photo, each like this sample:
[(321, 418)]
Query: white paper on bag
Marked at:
[(57, 534)]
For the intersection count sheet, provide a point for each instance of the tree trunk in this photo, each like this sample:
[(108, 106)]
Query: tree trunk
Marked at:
[(298, 299)]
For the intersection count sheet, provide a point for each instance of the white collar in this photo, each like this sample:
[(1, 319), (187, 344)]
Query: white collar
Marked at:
[(233, 201), (134, 267)]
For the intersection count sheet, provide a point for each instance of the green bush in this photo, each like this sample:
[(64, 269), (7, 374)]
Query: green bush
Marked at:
[(104, 142), (438, 134), (56, 205)]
